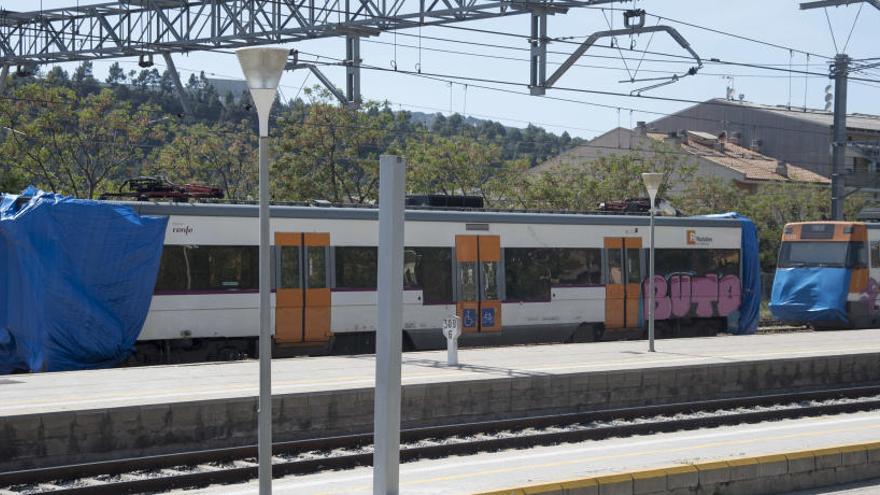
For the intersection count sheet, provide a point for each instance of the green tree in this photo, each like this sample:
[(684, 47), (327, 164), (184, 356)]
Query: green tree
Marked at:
[(583, 186), (454, 166), (223, 155), (116, 74), (331, 153), (73, 145)]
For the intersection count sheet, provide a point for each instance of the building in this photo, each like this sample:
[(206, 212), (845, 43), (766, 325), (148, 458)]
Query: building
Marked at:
[(711, 155), (234, 87), (793, 135)]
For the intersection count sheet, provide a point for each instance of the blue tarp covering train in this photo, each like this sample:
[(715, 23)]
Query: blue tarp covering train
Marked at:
[(810, 294), (77, 281), (750, 307)]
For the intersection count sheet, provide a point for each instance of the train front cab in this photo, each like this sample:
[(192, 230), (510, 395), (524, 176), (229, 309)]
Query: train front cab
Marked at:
[(824, 277)]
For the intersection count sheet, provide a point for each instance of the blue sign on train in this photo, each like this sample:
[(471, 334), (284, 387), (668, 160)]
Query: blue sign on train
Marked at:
[(469, 318), (488, 317)]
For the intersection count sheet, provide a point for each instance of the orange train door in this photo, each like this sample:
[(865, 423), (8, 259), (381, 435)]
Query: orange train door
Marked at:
[(623, 282), (302, 298), (479, 303)]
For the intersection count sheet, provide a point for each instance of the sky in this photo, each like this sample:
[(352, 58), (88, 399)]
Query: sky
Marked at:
[(775, 21)]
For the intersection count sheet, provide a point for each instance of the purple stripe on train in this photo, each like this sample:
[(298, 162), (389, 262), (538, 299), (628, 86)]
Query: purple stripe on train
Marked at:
[(681, 295)]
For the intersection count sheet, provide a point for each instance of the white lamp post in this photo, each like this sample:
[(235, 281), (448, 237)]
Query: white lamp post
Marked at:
[(652, 182), (262, 67)]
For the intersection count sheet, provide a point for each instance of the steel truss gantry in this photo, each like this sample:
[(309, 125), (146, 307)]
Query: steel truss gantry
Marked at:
[(144, 28)]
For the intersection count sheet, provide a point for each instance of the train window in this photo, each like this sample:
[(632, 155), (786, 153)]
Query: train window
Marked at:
[(208, 268), (858, 255), (317, 267), (697, 261), (429, 269), (172, 270), (490, 280), (290, 267), (795, 254), (633, 266), (875, 254), (356, 267), (467, 277), (615, 266), (527, 274), (577, 267)]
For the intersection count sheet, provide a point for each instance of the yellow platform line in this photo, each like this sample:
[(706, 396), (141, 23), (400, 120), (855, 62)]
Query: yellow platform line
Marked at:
[(569, 486)]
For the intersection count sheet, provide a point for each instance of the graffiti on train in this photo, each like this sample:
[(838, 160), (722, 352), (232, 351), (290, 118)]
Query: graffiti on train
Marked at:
[(683, 294)]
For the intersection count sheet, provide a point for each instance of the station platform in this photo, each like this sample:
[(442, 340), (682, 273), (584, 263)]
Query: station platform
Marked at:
[(83, 416), (762, 454)]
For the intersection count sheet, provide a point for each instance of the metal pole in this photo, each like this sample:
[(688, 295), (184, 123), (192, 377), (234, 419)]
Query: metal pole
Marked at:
[(353, 69), (4, 75), (264, 431), (386, 414), (178, 86), (838, 154), (651, 284)]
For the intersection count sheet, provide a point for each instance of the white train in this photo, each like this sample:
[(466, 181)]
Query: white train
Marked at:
[(511, 277)]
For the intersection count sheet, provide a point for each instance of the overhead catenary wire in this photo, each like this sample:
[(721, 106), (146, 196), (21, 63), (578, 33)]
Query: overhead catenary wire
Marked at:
[(474, 82)]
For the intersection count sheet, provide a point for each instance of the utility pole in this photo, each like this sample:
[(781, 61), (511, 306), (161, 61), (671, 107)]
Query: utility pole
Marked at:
[(839, 71)]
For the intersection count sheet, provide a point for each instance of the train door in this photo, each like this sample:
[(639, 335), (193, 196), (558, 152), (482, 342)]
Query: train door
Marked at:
[(302, 296), (479, 302), (623, 282)]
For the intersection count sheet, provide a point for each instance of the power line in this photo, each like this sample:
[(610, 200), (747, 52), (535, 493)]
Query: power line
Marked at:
[(515, 59), (473, 81)]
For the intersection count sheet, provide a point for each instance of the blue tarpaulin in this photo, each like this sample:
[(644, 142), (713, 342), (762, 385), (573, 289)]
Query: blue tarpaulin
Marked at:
[(810, 294), (77, 282), (750, 305)]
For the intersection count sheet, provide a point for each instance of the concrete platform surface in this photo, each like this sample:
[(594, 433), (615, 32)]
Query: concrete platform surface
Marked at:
[(100, 389), (499, 470), (862, 488)]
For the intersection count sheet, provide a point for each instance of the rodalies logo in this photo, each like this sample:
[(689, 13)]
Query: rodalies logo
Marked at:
[(696, 240), (179, 228)]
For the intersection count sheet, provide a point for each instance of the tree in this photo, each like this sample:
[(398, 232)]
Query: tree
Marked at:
[(73, 145), (223, 155), (705, 195), (331, 153), (457, 165), (116, 74), (11, 180), (583, 186)]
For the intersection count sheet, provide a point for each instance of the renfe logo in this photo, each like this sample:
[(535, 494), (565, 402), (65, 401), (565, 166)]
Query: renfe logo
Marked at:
[(180, 228), (694, 239)]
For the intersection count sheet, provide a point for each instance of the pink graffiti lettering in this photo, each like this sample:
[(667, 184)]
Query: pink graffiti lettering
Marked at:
[(680, 292), (682, 295)]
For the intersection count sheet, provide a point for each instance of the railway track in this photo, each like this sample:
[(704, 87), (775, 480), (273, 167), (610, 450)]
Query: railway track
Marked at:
[(194, 469)]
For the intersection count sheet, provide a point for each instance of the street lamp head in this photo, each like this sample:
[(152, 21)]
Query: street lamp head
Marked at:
[(262, 67), (652, 181)]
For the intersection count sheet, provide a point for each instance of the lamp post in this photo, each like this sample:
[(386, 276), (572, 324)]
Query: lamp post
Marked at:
[(262, 67), (652, 182)]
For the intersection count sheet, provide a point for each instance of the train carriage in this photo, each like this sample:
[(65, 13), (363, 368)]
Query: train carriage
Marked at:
[(512, 277), (827, 275)]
